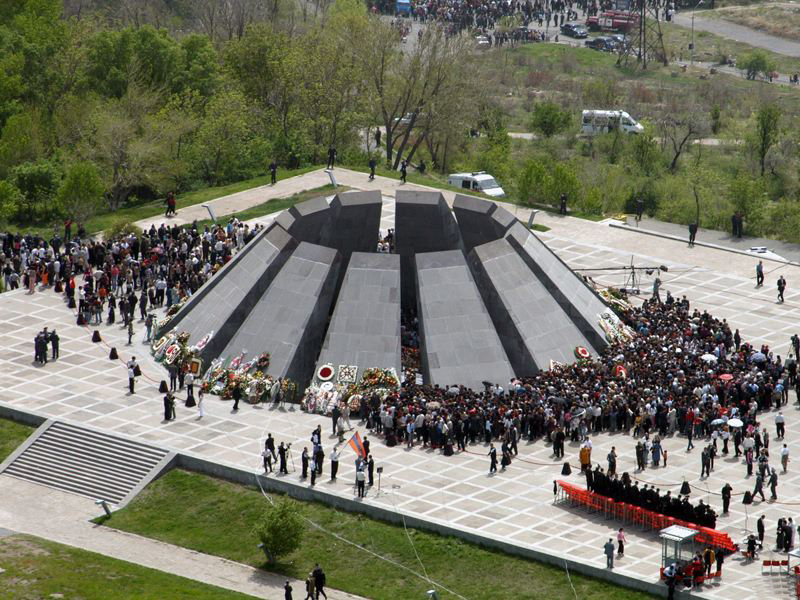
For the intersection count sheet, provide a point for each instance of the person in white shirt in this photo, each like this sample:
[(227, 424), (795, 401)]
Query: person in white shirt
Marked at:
[(785, 457)]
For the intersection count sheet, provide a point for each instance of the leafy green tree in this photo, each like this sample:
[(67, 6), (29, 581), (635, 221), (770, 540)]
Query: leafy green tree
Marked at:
[(10, 199), (37, 183), (756, 63), (749, 197), (280, 529), (80, 194), (146, 54), (767, 131), (23, 140), (548, 119), (644, 153), (222, 136), (199, 66)]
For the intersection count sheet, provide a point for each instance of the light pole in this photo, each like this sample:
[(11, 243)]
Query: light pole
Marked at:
[(692, 48)]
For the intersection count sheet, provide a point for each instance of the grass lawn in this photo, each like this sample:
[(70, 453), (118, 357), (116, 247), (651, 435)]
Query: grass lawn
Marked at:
[(37, 568), (216, 517), (12, 434), (278, 204)]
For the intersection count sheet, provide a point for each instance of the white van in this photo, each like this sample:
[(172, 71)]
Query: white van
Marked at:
[(479, 181), (603, 121)]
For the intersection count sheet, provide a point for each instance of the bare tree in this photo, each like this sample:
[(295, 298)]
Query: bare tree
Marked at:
[(677, 133)]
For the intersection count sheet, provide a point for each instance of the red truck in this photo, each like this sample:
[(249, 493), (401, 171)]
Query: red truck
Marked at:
[(613, 20)]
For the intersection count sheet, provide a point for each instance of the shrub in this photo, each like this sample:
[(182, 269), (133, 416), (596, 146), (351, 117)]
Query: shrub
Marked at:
[(280, 529), (122, 227)]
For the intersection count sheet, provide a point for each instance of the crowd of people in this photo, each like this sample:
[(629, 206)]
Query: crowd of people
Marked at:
[(687, 373), (157, 268)]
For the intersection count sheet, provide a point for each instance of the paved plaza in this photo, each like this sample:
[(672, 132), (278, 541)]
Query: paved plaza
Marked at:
[(515, 506)]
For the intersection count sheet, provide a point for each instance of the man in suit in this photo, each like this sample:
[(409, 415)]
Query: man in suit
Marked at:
[(282, 455), (493, 459), (608, 548), (54, 340)]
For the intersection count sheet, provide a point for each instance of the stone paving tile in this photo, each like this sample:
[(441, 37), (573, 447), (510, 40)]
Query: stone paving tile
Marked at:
[(515, 505)]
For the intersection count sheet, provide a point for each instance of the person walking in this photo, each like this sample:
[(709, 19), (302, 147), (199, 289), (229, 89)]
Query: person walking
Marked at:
[(131, 380), (760, 530), (780, 425), (781, 288), (319, 581), (201, 411), (609, 552), (403, 170), (692, 233), (760, 274), (759, 487), (773, 485), (273, 172), (237, 395), (372, 164), (785, 457), (492, 459), (621, 540), (287, 591), (562, 204), (310, 587)]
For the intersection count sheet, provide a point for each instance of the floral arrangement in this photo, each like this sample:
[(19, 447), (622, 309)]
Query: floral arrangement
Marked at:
[(348, 373), (379, 378), (289, 389), (410, 358)]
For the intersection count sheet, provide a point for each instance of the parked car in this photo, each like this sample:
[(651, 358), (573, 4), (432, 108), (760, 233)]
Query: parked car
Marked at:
[(574, 30), (622, 42), (601, 43)]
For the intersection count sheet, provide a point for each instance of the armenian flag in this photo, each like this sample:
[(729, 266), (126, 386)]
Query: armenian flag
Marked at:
[(357, 445)]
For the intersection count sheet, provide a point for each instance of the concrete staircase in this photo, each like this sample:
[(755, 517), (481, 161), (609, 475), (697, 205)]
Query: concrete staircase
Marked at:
[(87, 462)]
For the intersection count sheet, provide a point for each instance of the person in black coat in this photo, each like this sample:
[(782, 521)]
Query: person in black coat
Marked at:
[(167, 406), (54, 340), (304, 462), (370, 470), (493, 459), (237, 395)]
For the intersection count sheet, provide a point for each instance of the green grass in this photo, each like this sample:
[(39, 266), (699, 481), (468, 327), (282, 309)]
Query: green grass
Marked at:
[(538, 227), (37, 568), (106, 219), (12, 434), (277, 204), (216, 517)]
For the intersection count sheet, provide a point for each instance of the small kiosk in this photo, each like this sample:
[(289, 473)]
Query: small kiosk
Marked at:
[(677, 546)]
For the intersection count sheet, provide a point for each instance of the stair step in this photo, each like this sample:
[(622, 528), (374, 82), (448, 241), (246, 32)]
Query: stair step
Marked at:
[(86, 462), (82, 468)]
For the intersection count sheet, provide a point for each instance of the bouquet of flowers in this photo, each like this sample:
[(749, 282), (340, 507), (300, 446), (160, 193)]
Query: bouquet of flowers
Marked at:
[(379, 378), (289, 389)]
